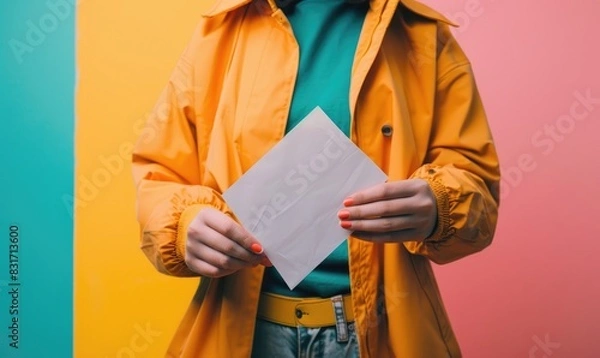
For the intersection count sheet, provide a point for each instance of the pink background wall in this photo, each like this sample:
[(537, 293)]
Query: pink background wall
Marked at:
[(534, 292)]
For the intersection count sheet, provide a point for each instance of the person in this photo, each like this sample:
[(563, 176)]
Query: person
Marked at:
[(393, 78)]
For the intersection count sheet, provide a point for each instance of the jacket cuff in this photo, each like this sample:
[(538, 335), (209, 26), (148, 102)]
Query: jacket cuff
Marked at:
[(186, 218), (190, 212), (442, 230), (443, 210)]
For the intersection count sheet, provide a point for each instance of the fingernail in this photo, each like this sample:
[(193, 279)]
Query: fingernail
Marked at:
[(344, 214), (346, 224), (256, 248), (348, 202)]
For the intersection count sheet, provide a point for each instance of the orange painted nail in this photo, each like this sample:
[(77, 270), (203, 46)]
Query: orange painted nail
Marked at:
[(344, 214), (346, 224), (348, 202), (256, 248)]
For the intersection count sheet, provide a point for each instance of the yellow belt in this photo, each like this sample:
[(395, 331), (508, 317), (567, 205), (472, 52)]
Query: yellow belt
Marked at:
[(305, 312)]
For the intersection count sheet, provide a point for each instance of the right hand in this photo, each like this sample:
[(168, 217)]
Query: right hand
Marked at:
[(218, 246)]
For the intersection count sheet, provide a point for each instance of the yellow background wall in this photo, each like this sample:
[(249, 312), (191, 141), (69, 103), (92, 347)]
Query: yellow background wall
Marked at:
[(541, 271), (126, 51)]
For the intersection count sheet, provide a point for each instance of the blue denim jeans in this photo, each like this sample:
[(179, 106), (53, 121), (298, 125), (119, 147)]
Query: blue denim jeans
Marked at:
[(274, 340)]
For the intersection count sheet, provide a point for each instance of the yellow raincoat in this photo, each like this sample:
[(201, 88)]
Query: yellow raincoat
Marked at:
[(415, 112)]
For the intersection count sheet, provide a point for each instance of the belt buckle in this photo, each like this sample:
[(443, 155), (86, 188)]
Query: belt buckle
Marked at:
[(341, 325)]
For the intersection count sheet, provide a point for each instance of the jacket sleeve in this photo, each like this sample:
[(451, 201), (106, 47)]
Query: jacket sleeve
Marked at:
[(462, 165), (169, 156)]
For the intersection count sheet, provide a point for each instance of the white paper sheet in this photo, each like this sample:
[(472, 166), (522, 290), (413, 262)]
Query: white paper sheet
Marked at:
[(290, 198)]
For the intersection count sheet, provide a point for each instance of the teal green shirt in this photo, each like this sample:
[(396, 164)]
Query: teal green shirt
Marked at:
[(327, 32)]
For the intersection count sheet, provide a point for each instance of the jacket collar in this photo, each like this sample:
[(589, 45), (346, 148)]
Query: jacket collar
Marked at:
[(224, 6)]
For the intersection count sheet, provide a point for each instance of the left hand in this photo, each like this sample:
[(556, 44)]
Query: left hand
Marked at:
[(404, 210)]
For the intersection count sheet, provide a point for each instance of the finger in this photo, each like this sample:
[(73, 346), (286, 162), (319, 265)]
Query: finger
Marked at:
[(381, 225), (384, 191), (389, 237), (218, 259), (223, 244), (205, 269), (227, 227), (394, 207), (266, 262)]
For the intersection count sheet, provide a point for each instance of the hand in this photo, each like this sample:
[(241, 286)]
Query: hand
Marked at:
[(217, 246), (397, 211)]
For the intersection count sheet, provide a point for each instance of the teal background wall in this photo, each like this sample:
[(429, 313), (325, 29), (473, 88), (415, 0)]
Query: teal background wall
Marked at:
[(36, 145)]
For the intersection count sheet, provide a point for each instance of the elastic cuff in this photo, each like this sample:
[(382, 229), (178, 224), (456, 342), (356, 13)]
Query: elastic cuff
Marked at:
[(186, 218), (443, 209)]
